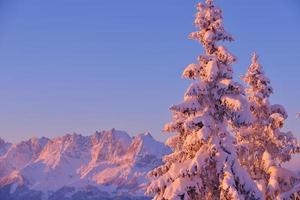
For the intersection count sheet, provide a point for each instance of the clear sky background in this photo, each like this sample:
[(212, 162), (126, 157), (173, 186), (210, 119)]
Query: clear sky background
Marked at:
[(85, 65)]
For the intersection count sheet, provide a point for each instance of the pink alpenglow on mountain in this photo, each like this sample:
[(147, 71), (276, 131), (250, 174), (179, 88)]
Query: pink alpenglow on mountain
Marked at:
[(105, 165)]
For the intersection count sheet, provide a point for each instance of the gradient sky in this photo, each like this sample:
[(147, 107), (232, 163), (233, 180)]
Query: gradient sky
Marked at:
[(85, 65)]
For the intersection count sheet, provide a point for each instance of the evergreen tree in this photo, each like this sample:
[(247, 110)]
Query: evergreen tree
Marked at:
[(204, 163), (263, 147)]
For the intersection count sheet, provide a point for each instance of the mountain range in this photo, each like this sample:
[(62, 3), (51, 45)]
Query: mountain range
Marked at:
[(107, 165)]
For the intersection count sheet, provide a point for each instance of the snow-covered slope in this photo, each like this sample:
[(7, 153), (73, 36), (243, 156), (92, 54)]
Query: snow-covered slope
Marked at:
[(107, 164), (19, 155)]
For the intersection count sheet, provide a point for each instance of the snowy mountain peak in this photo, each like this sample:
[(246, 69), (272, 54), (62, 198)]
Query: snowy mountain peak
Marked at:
[(109, 161), (41, 142), (113, 134)]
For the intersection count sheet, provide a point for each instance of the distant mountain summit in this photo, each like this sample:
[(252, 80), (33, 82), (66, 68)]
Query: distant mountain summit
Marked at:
[(106, 165)]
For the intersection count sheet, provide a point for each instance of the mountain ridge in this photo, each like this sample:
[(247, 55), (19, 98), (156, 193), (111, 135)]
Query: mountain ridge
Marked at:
[(110, 162)]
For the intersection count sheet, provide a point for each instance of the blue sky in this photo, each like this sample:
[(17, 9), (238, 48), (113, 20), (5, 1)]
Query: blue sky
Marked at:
[(85, 65)]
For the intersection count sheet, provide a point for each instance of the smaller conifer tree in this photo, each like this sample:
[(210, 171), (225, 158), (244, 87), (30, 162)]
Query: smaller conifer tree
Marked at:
[(263, 146)]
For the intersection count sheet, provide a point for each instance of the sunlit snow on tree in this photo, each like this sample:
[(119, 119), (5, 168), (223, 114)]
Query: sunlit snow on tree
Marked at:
[(204, 163)]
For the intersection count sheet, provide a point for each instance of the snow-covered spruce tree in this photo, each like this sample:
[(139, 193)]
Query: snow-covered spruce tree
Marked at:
[(204, 163), (263, 147)]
